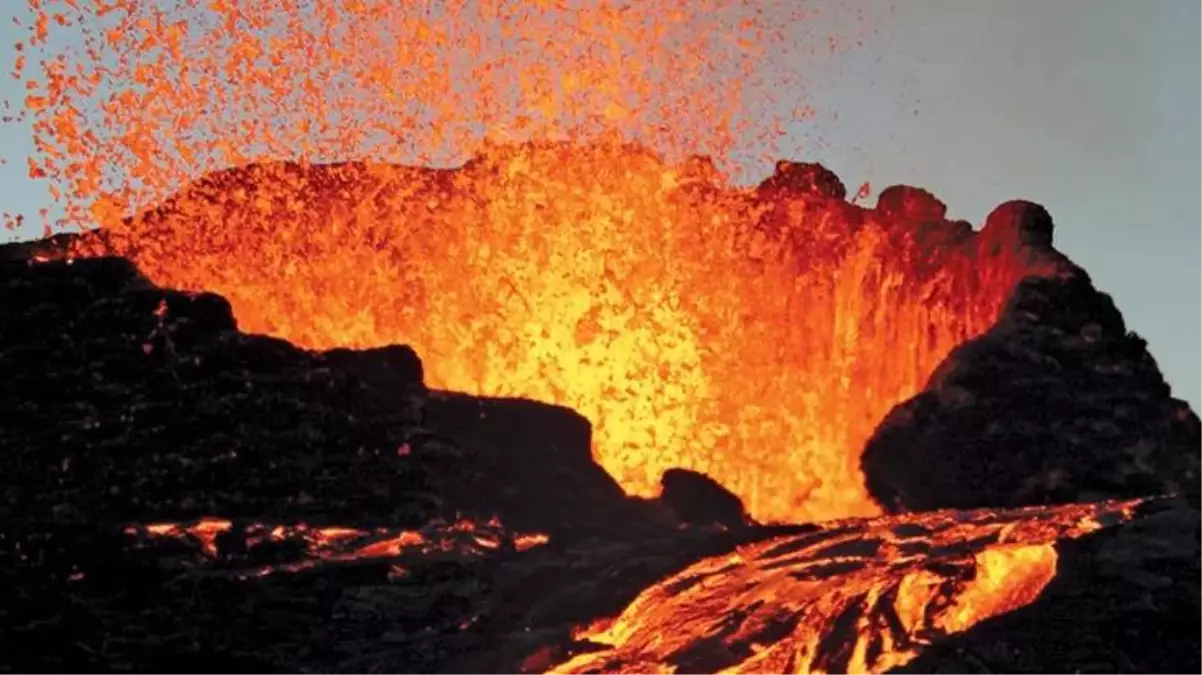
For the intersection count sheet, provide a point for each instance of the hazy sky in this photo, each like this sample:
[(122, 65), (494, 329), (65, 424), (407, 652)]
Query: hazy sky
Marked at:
[(1090, 107)]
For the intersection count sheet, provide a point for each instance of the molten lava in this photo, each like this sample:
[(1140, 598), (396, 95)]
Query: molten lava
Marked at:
[(756, 339), (853, 597), (336, 544)]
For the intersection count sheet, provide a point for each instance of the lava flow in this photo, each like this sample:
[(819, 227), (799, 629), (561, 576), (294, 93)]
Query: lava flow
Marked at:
[(859, 597), (218, 537)]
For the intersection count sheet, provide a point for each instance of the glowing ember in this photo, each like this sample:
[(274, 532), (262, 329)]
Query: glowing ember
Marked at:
[(130, 98)]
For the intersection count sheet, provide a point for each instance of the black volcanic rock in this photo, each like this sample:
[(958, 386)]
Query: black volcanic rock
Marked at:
[(1056, 403), (126, 405), (124, 402), (1017, 223), (802, 178), (696, 498), (910, 203)]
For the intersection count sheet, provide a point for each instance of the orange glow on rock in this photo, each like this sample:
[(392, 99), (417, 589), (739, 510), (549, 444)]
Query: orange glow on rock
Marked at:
[(343, 543)]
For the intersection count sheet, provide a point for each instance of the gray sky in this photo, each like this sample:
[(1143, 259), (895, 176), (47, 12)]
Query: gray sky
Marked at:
[(1090, 107)]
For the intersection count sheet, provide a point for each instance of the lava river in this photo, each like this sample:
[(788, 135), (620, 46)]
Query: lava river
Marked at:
[(858, 595), (854, 597)]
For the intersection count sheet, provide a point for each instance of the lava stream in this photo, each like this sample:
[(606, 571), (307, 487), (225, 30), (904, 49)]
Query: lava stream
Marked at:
[(853, 597)]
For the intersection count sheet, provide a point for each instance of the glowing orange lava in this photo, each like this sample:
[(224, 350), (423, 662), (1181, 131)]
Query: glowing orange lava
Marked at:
[(757, 342), (342, 543), (756, 339), (859, 598)]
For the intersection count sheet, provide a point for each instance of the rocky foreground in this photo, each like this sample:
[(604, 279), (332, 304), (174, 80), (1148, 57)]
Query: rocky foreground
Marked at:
[(357, 521)]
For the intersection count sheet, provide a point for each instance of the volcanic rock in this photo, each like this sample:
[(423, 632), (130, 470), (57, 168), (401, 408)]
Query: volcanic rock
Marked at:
[(125, 402), (802, 178), (1056, 403), (697, 498), (910, 203), (1017, 223)]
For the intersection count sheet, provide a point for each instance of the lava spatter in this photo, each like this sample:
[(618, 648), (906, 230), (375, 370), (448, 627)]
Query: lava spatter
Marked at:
[(757, 337)]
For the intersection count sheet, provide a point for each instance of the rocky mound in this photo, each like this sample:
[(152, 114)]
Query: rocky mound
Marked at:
[(127, 402), (1056, 403)]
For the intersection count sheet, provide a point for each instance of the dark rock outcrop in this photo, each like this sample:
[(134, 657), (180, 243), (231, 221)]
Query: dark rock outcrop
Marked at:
[(125, 405), (697, 498), (802, 178), (1056, 403), (124, 402), (1017, 223), (910, 203)]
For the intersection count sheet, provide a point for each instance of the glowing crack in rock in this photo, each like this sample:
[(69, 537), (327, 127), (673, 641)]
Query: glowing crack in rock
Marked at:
[(341, 544)]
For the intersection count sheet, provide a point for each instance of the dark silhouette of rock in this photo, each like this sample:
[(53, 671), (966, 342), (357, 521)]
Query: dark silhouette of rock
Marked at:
[(533, 465), (1017, 223), (1056, 403), (395, 367), (802, 178), (696, 498), (125, 402), (910, 203)]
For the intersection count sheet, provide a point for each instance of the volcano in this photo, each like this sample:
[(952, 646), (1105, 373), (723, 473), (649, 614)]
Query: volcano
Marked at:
[(578, 409)]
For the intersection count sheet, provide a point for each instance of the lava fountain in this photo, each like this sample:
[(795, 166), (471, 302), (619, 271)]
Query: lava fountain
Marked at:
[(757, 336)]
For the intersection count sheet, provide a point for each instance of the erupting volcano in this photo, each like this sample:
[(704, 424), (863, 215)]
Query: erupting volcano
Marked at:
[(402, 339), (756, 336)]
